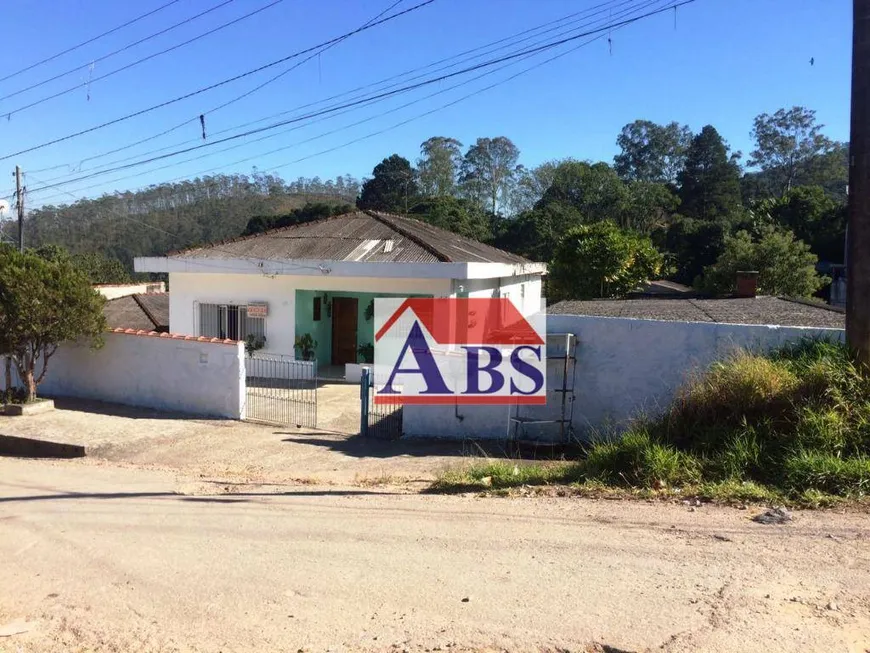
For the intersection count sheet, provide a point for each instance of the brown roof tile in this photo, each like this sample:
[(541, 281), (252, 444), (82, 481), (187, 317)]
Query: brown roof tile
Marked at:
[(139, 312), (364, 236), (758, 310)]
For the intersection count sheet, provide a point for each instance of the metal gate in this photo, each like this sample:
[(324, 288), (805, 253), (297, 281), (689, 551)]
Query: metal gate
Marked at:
[(381, 420), (281, 390)]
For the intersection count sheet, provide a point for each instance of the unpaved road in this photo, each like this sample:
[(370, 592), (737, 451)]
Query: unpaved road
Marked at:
[(110, 559)]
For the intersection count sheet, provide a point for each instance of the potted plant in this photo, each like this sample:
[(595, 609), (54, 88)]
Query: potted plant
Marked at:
[(254, 343), (306, 345), (366, 353)]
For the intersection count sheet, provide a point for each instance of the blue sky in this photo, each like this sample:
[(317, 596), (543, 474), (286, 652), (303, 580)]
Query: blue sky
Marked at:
[(718, 62)]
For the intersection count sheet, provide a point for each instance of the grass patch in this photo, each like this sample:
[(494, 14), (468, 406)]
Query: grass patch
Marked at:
[(503, 474), (790, 427)]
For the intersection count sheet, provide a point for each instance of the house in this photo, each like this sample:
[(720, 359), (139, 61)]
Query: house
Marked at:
[(115, 290), (321, 278), (762, 310), (139, 311)]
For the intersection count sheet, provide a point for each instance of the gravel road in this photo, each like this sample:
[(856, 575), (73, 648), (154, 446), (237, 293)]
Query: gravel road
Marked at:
[(119, 559)]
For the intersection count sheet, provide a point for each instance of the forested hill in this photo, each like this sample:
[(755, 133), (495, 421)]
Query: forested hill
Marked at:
[(164, 217)]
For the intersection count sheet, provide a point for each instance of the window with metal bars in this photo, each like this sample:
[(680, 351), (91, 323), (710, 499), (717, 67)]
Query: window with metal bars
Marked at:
[(229, 321)]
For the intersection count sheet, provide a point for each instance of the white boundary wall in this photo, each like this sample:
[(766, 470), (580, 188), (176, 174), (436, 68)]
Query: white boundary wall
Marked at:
[(164, 372), (625, 368)]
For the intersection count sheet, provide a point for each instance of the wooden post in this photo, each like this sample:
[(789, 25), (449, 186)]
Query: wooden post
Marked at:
[(858, 258), (19, 196)]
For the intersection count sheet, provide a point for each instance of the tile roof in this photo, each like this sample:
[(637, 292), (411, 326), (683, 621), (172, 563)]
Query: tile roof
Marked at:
[(140, 312), (365, 236), (757, 310)]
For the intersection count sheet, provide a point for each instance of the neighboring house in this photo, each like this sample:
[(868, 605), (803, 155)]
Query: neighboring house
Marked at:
[(115, 290), (777, 311), (142, 312), (321, 278)]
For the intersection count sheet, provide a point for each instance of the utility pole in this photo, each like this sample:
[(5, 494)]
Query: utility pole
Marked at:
[(858, 257), (19, 196)]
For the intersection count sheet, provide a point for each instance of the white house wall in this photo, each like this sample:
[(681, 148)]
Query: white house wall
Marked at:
[(164, 373), (625, 368), (523, 290), (279, 291)]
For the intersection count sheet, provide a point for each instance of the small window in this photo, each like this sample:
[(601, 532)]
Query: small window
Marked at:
[(317, 309)]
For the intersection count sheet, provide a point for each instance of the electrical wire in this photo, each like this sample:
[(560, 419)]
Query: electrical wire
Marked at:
[(354, 124), (89, 41), (428, 82), (90, 81), (213, 86), (209, 112), (560, 23), (115, 52)]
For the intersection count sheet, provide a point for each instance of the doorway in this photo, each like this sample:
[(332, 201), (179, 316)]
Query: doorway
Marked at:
[(345, 312)]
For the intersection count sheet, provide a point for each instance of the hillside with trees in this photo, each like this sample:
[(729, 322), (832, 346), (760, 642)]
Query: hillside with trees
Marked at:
[(694, 208)]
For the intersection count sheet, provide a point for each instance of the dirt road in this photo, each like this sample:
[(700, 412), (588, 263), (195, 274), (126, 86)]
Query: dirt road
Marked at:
[(109, 559)]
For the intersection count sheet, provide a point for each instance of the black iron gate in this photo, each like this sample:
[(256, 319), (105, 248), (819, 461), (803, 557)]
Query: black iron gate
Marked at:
[(378, 420), (281, 390)]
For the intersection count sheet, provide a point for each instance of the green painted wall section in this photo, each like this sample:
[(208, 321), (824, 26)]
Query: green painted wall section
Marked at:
[(321, 330)]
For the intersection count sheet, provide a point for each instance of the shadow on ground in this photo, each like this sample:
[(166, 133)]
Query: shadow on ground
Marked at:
[(365, 447), (121, 410), (235, 497)]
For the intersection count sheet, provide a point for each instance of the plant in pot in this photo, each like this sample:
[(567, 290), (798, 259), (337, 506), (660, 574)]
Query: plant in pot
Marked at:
[(366, 353), (254, 343), (306, 345)]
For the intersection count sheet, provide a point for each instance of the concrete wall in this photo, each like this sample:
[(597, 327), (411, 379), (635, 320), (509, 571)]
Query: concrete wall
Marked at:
[(280, 292), (523, 290), (114, 291), (164, 373), (625, 368)]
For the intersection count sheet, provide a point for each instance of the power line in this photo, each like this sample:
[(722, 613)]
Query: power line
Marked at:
[(115, 52), (90, 40), (225, 104), (490, 72), (428, 82), (144, 59), (560, 23), (215, 85)]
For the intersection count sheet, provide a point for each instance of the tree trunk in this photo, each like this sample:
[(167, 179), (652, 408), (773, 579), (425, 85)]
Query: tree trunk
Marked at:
[(30, 384), (8, 386)]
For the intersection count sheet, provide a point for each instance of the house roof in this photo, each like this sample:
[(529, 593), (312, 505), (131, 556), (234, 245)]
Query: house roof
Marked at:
[(362, 236), (141, 312), (756, 310)]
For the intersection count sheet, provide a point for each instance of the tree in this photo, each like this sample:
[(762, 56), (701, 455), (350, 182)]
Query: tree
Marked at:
[(813, 216), (488, 170), (592, 189), (392, 188), (649, 206), (787, 146), (96, 267), (535, 234), (530, 184), (785, 265), (601, 260), (43, 304), (690, 246), (710, 180), (307, 213), (439, 165), (460, 216), (650, 152)]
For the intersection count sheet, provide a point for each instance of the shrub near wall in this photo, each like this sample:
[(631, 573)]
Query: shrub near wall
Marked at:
[(798, 420)]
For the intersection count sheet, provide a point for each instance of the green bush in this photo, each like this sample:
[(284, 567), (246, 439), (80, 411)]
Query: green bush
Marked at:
[(814, 470), (797, 419), (637, 460)]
